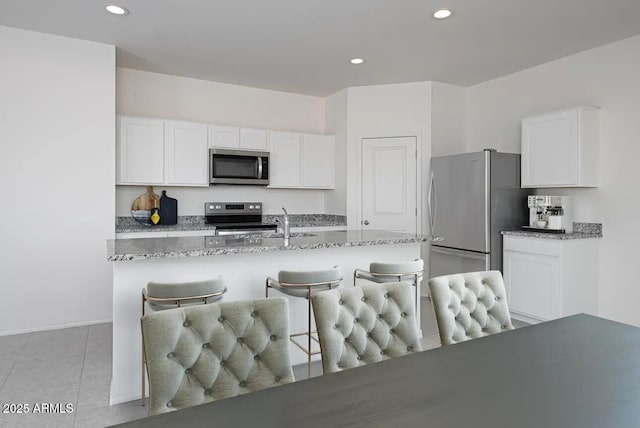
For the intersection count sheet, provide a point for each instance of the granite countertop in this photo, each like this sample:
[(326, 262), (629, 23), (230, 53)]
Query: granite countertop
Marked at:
[(148, 248), (192, 223), (580, 231)]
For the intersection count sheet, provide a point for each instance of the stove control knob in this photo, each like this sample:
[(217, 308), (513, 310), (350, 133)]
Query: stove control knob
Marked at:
[(257, 207), (211, 207), (250, 207), (218, 207)]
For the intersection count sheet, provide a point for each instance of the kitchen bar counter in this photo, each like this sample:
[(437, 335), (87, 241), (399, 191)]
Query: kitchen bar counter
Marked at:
[(148, 248), (580, 231), (244, 263)]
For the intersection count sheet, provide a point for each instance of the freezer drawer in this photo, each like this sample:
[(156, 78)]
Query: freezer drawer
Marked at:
[(445, 261)]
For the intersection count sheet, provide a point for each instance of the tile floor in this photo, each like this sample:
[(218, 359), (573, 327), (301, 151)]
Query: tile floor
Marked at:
[(73, 366)]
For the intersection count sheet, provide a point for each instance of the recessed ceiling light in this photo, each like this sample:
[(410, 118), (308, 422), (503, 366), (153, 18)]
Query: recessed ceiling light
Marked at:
[(442, 13), (357, 61), (116, 10)]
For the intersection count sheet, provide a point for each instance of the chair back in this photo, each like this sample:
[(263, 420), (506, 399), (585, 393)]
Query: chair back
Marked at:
[(365, 324), (204, 353), (469, 305), (164, 295)]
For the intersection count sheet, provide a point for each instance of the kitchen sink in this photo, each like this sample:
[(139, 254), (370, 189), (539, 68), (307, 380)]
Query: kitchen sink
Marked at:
[(293, 235)]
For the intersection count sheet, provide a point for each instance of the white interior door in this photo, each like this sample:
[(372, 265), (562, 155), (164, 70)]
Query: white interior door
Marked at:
[(389, 184)]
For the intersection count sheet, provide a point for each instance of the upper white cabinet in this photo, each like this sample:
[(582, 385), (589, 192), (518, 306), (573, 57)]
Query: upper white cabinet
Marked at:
[(285, 159), (230, 137), (152, 151), (253, 139), (318, 161), (560, 149), (176, 153), (186, 152), (224, 137), (301, 160), (140, 151)]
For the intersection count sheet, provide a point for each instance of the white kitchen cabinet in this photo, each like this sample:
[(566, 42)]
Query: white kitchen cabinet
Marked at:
[(318, 161), (304, 161), (547, 278), (230, 137), (560, 149), (224, 137), (186, 154), (153, 151), (285, 161), (140, 151), (253, 139)]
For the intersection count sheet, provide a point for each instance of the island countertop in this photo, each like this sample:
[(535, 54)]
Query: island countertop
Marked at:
[(149, 248)]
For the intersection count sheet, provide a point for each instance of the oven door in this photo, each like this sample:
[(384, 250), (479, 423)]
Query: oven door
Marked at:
[(238, 167)]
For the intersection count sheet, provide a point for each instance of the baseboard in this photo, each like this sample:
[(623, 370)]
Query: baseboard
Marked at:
[(53, 327)]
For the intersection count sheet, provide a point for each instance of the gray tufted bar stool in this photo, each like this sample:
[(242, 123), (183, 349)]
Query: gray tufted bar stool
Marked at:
[(469, 305), (303, 284), (382, 272), (198, 354), (365, 324), (159, 296)]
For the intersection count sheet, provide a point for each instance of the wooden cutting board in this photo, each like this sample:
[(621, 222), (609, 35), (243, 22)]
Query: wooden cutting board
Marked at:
[(147, 201)]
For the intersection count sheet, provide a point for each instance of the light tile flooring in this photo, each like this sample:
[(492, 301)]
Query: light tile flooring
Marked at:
[(73, 366)]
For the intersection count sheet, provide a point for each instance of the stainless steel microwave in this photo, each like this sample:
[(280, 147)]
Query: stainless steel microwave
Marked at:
[(229, 166)]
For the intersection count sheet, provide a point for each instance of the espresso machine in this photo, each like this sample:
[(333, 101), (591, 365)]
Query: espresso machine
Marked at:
[(551, 214)]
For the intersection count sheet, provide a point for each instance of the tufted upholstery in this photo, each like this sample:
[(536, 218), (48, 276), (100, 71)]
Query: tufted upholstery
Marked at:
[(199, 354), (365, 324), (469, 305), (183, 291)]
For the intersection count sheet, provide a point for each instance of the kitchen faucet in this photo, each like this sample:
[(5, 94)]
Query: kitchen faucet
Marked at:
[(286, 232)]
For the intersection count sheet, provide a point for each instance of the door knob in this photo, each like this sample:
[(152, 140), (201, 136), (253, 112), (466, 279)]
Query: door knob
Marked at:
[(366, 222)]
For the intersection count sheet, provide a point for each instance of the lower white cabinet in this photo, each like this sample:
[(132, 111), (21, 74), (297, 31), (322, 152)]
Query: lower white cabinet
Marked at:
[(548, 278)]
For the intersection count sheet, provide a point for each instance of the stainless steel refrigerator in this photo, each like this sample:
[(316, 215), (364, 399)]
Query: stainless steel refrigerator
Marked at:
[(472, 197)]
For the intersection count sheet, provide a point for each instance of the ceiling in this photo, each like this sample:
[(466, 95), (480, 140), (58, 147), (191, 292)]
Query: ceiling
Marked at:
[(305, 46)]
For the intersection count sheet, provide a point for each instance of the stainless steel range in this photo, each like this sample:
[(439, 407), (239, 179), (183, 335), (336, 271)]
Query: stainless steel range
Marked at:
[(236, 218)]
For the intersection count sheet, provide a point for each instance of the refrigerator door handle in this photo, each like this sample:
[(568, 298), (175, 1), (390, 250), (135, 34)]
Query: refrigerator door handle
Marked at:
[(430, 203)]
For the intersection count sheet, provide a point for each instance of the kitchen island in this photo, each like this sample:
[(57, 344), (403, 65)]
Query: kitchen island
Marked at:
[(244, 262)]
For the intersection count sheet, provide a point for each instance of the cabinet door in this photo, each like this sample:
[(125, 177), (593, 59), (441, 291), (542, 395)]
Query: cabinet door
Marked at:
[(318, 161), (285, 160), (550, 150), (186, 156), (533, 283), (253, 139), (224, 137), (140, 151)]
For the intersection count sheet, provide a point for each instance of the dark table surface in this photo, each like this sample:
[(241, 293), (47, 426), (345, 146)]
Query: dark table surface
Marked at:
[(579, 371)]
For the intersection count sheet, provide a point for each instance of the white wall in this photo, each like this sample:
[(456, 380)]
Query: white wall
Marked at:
[(57, 163), (448, 119), (608, 77), (385, 111), (337, 124), (159, 95)]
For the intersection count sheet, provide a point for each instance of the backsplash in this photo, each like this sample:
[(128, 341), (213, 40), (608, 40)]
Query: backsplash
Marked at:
[(196, 222), (594, 228)]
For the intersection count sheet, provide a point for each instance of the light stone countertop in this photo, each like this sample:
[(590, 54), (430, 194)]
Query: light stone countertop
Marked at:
[(148, 248), (580, 231)]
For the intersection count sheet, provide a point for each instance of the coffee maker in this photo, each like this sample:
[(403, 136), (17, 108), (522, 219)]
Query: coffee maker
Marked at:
[(550, 214)]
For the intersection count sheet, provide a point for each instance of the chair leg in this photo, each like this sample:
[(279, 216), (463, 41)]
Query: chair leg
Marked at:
[(143, 364), (309, 333)]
